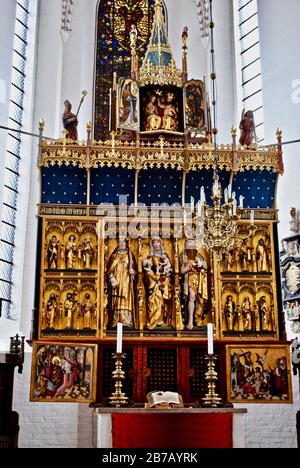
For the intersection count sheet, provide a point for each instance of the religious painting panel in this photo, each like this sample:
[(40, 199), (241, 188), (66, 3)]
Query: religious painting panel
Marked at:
[(162, 109), (128, 105), (63, 373), (195, 105), (156, 286), (259, 374)]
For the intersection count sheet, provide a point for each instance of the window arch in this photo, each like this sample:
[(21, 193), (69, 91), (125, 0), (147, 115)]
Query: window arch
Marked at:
[(114, 19)]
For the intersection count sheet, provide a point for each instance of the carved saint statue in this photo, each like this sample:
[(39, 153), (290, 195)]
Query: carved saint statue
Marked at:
[(262, 257), (264, 313), (52, 253), (88, 253), (170, 119), (51, 310), (133, 36), (87, 309), (247, 314), (230, 313), (247, 127), (158, 270), (121, 271), (69, 307), (71, 250), (70, 122), (294, 222), (153, 122), (194, 270), (185, 35)]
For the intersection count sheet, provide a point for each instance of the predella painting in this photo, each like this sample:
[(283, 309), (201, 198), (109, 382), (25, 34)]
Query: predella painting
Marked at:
[(63, 372), (259, 374)]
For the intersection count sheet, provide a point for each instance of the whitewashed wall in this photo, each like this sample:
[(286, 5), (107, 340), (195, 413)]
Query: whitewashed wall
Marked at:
[(280, 42), (7, 29)]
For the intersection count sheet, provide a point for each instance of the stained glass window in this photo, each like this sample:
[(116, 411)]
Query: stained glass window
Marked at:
[(115, 18)]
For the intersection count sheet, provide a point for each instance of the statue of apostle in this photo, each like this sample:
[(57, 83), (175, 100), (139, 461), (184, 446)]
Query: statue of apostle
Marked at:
[(87, 308), (121, 271), (158, 271), (264, 313), (262, 257), (230, 313), (52, 253), (69, 307), (87, 253), (70, 122), (194, 270), (247, 314), (51, 310), (71, 249)]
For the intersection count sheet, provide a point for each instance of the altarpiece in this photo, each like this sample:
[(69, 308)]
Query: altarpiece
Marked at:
[(116, 244)]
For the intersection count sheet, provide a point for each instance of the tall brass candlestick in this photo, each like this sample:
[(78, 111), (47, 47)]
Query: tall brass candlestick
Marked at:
[(118, 398), (212, 399)]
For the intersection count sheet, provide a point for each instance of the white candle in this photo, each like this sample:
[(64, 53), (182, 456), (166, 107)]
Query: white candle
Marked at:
[(241, 202), (192, 204), (252, 217), (210, 338), (234, 207), (119, 338), (202, 196), (226, 195), (185, 218), (229, 190), (199, 209)]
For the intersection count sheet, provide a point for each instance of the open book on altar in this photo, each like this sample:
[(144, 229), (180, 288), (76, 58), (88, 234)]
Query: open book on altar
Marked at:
[(164, 400)]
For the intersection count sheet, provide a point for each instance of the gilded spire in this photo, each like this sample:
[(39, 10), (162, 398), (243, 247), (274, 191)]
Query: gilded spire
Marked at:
[(159, 67)]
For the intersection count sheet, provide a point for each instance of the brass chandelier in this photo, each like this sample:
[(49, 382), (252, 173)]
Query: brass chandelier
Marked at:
[(217, 225)]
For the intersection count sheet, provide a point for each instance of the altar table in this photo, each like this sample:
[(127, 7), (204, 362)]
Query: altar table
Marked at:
[(176, 428)]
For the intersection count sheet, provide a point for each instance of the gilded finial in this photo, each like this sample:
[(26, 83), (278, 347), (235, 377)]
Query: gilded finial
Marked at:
[(42, 125), (89, 126), (134, 57), (279, 133), (233, 131), (159, 67)]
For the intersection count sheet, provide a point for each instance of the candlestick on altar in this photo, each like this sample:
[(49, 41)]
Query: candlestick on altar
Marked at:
[(210, 338), (118, 398), (212, 399), (119, 338)]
